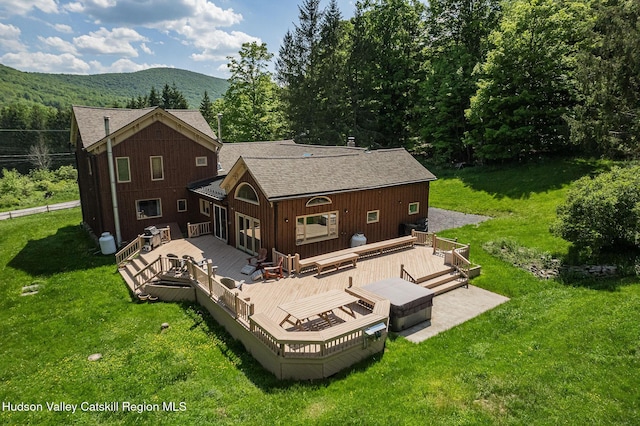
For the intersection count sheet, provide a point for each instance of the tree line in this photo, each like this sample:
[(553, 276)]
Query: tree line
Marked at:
[(463, 80)]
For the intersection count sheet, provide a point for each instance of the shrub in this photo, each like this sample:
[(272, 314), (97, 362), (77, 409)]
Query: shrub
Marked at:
[(603, 212)]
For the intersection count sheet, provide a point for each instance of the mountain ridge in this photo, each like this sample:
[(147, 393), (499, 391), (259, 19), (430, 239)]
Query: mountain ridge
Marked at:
[(63, 90)]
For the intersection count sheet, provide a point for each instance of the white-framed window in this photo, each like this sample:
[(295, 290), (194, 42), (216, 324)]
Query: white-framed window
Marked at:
[(245, 192), (182, 205), (316, 227), (123, 171), (318, 201), (148, 209), (205, 207), (373, 216), (414, 208), (201, 161), (157, 167)]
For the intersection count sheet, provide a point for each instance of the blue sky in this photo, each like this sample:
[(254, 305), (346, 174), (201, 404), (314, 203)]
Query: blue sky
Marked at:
[(100, 36)]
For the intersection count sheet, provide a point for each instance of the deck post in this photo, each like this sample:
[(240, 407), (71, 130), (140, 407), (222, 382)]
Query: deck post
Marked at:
[(401, 270), (434, 243), (210, 275), (235, 305)]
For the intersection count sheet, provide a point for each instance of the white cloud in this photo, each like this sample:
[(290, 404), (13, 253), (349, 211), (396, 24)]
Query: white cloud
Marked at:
[(23, 7), (62, 28), (45, 62), (115, 42), (123, 65), (146, 49), (59, 44), (10, 38)]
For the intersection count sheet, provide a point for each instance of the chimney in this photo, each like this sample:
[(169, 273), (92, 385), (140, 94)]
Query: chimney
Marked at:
[(351, 141)]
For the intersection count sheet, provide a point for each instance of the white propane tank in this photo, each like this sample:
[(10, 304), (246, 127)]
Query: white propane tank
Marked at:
[(358, 239), (107, 243)]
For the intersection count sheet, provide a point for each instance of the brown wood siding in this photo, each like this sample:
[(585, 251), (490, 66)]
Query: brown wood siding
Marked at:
[(179, 164), (352, 207), (278, 219), (263, 212), (89, 190)]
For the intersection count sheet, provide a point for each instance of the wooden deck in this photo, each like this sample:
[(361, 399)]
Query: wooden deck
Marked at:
[(268, 295)]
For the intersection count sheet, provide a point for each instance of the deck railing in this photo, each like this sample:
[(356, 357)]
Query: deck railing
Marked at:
[(135, 246), (406, 276), (442, 245), (130, 250), (151, 271), (197, 229), (287, 263), (313, 344), (424, 238), (461, 263)]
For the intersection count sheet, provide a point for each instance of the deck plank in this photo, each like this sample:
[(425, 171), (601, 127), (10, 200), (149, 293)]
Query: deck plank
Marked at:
[(268, 295)]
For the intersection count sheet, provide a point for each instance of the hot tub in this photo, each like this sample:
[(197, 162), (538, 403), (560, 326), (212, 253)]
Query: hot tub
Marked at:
[(410, 303)]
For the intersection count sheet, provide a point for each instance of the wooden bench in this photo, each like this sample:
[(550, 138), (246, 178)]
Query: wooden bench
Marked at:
[(360, 251), (382, 246), (336, 261)]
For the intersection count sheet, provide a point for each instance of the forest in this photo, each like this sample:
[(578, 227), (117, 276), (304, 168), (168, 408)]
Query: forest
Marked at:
[(458, 81), (475, 81)]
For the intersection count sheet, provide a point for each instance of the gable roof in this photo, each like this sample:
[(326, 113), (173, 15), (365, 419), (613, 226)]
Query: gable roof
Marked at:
[(231, 152), (88, 122), (337, 171)]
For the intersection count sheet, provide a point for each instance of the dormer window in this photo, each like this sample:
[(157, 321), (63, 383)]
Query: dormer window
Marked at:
[(318, 201), (245, 192)]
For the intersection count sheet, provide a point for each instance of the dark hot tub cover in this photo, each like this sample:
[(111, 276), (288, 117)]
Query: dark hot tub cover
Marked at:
[(406, 297)]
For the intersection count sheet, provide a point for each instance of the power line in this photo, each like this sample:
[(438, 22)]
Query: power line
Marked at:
[(34, 130)]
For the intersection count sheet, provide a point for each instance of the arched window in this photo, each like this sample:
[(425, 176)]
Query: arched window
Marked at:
[(245, 192), (318, 201)]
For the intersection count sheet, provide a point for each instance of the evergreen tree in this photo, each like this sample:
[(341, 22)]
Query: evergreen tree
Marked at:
[(297, 71), (153, 98), (206, 109), (387, 65)]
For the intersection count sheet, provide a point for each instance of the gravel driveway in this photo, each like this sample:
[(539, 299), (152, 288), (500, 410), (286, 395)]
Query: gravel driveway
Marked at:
[(440, 219)]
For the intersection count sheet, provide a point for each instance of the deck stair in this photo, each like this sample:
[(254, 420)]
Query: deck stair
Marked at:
[(130, 270), (443, 281)]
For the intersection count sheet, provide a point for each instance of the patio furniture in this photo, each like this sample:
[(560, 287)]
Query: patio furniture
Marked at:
[(231, 284), (321, 305), (273, 271), (336, 261), (258, 259)]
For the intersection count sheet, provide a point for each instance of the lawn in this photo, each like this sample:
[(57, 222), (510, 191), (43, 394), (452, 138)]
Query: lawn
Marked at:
[(556, 353)]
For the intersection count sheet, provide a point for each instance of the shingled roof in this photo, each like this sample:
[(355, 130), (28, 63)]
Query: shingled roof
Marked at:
[(89, 122), (231, 152), (335, 170)]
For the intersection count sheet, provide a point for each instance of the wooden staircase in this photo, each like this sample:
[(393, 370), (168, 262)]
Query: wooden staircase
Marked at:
[(129, 271), (443, 281)]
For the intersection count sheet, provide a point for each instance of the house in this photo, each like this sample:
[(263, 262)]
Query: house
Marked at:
[(310, 199), (135, 166), (144, 167)]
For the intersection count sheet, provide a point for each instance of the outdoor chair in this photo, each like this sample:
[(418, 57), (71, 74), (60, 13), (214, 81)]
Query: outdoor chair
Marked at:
[(258, 259), (273, 271)]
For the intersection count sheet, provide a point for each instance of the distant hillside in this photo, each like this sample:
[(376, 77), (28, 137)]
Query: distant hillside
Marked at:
[(62, 90)]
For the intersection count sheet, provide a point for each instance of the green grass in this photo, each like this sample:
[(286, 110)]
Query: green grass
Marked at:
[(556, 353)]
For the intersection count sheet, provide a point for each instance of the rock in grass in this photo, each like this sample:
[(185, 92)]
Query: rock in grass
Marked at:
[(95, 357)]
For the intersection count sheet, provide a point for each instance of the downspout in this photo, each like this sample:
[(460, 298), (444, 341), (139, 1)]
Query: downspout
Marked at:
[(112, 180)]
